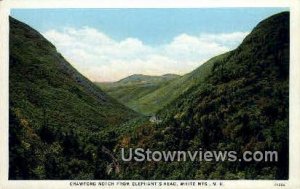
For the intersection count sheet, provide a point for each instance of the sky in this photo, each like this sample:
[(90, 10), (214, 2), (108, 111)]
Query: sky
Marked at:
[(110, 44)]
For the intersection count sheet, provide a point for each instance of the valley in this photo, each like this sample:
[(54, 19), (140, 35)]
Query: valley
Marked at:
[(60, 122)]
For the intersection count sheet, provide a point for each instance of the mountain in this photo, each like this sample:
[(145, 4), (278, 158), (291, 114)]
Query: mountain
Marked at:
[(58, 119), (149, 94), (242, 105), (158, 99), (131, 89), (137, 79), (62, 126)]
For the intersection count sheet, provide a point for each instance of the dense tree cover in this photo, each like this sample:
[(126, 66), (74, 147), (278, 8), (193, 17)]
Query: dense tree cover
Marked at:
[(59, 120), (64, 127), (153, 93), (132, 90), (242, 105)]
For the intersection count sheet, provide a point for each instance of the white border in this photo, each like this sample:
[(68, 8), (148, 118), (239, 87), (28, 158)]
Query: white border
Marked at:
[(294, 109)]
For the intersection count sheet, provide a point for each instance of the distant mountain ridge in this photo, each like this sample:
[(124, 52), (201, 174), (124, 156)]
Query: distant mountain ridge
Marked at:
[(62, 126), (132, 88), (137, 79), (140, 78), (156, 92), (242, 105)]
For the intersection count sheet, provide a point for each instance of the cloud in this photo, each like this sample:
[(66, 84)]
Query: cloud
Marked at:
[(228, 39), (101, 58)]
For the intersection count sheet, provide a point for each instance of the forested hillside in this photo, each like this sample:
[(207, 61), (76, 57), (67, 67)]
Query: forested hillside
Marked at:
[(151, 96), (131, 90), (59, 120), (242, 105), (62, 126)]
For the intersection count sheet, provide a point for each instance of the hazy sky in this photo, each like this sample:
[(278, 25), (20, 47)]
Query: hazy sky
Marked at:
[(110, 44)]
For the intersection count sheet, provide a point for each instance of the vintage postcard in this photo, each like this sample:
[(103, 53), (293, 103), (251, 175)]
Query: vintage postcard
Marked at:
[(149, 95)]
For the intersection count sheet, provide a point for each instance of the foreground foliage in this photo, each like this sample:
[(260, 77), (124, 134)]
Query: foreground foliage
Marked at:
[(59, 120), (62, 126), (242, 105)]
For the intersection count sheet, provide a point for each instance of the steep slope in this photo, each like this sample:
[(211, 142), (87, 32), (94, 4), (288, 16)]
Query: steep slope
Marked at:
[(242, 105), (147, 96), (59, 120), (130, 89), (165, 94)]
